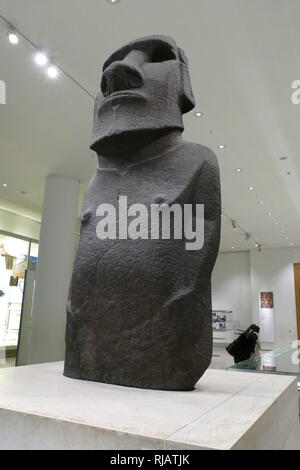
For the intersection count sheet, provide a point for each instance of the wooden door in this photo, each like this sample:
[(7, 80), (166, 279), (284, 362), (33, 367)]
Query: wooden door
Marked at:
[(297, 292)]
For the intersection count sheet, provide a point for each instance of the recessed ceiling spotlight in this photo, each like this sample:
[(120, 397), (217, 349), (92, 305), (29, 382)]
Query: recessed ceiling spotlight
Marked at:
[(221, 146), (251, 188), (261, 202), (4, 185), (269, 213), (12, 37), (232, 247), (113, 1), (198, 114), (276, 223), (52, 71), (41, 58), (286, 238), (282, 231), (291, 244), (238, 170)]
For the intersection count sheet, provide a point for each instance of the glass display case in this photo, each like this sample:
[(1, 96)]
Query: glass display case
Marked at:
[(283, 361)]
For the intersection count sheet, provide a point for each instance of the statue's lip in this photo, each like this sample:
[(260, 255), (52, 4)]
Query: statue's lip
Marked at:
[(124, 94)]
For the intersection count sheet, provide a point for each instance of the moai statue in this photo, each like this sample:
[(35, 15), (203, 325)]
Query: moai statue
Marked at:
[(139, 308)]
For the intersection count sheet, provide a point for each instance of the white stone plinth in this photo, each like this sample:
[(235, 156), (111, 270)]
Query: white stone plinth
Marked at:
[(42, 409)]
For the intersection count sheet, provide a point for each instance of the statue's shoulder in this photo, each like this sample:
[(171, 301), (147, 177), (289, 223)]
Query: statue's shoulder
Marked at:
[(199, 154)]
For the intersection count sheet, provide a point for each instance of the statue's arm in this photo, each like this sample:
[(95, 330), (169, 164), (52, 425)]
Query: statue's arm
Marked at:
[(194, 267), (208, 192)]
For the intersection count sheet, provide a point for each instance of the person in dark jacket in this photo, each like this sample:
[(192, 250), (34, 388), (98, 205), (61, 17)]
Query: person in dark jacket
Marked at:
[(244, 346)]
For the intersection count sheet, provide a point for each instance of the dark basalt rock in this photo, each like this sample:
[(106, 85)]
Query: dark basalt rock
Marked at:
[(139, 311)]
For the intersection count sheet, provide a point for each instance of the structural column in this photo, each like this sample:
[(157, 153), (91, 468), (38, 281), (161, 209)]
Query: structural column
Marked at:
[(54, 269)]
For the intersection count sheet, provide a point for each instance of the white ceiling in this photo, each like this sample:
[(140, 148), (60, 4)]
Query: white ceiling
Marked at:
[(244, 55)]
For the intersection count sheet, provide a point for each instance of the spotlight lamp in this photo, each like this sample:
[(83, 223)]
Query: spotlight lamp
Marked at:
[(12, 36), (52, 71), (41, 58)]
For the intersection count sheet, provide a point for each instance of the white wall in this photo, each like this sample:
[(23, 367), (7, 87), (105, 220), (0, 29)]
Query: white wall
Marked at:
[(231, 286), (238, 279), (272, 270)]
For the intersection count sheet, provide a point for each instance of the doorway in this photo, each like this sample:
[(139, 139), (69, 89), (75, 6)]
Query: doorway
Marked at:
[(297, 292)]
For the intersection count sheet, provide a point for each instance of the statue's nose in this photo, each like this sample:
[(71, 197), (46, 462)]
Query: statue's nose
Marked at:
[(124, 74), (120, 76)]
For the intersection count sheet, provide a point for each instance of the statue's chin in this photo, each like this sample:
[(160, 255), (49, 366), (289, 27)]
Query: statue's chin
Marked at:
[(125, 143)]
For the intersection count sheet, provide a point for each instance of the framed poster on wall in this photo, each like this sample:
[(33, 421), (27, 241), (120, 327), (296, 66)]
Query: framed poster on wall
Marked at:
[(266, 317)]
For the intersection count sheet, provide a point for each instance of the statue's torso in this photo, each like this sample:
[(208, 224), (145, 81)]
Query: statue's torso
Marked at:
[(130, 299)]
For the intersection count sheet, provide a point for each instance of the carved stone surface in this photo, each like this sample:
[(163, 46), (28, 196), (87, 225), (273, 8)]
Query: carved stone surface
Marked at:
[(139, 310)]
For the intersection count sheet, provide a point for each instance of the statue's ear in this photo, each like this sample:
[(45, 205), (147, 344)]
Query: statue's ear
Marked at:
[(187, 100)]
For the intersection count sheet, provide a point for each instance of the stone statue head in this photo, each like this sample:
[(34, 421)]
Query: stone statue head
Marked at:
[(145, 89)]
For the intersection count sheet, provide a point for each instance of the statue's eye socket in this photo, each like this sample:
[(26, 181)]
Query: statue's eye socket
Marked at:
[(162, 54)]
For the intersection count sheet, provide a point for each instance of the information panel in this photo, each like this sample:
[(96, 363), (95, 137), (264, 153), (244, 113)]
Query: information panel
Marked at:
[(266, 317)]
